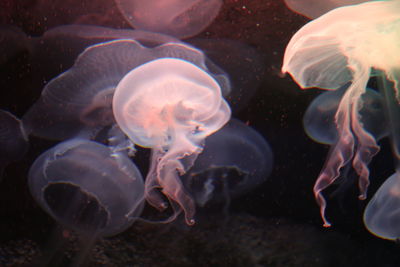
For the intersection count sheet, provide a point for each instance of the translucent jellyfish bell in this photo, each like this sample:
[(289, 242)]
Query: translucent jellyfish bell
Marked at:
[(87, 188), (171, 106), (382, 214), (339, 47), (79, 100), (180, 18), (319, 119), (235, 160)]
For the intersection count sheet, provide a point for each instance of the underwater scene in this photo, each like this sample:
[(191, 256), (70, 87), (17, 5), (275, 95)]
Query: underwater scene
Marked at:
[(200, 133)]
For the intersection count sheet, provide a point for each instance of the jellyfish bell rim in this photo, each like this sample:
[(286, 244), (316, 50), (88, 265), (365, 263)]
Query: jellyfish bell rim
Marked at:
[(184, 68)]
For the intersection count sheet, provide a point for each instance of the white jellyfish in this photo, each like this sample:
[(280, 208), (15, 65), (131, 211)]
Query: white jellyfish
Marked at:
[(350, 44), (170, 105)]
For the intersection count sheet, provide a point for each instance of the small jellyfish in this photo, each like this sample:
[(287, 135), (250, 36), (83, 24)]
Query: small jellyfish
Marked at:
[(235, 160), (86, 187), (79, 100), (316, 8), (170, 105), (350, 44), (179, 18), (319, 119), (382, 214), (13, 140)]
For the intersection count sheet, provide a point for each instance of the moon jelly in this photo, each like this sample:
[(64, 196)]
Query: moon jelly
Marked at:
[(382, 214), (79, 100), (344, 46), (171, 106), (87, 188), (180, 18), (235, 160)]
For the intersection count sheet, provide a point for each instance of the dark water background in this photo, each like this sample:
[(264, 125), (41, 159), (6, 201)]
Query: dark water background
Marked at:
[(275, 111)]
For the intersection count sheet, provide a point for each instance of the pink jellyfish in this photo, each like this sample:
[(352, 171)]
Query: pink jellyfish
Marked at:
[(171, 106), (349, 44)]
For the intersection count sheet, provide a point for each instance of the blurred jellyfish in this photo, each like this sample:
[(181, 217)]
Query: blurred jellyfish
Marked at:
[(180, 18), (13, 140), (319, 119), (343, 46), (87, 188), (235, 160), (171, 106), (79, 100), (316, 8), (12, 42), (382, 214)]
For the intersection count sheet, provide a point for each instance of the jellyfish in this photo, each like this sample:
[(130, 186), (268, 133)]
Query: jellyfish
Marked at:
[(235, 160), (382, 214), (316, 8), (13, 140), (349, 44), (319, 119), (169, 105), (86, 187), (79, 100), (179, 18)]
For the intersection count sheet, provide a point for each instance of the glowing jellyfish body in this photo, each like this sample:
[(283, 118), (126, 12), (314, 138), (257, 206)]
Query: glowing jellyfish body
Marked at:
[(171, 106), (319, 119), (79, 100), (180, 18), (235, 160), (382, 214), (339, 47), (87, 188)]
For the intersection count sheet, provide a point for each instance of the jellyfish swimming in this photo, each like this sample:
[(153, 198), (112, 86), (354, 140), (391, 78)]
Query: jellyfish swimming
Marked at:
[(319, 119), (235, 160), (87, 187), (179, 18), (13, 140), (349, 44), (169, 105), (382, 214), (79, 100)]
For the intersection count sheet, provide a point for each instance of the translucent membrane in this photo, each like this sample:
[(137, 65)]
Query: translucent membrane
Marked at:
[(87, 188), (235, 160), (180, 18), (171, 106), (339, 47)]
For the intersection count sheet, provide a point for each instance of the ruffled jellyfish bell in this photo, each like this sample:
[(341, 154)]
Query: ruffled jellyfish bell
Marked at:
[(79, 100), (87, 187), (235, 160), (382, 214), (169, 105), (349, 44), (179, 18)]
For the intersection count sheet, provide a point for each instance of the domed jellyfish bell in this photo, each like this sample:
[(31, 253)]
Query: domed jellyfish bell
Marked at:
[(346, 45), (87, 188), (170, 105), (79, 100), (382, 214), (316, 8), (13, 140), (180, 18), (319, 119), (235, 160)]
